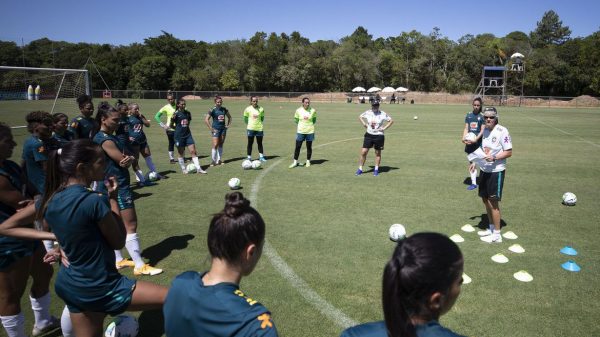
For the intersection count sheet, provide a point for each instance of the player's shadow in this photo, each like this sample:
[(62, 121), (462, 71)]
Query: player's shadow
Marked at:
[(152, 323), (484, 221), (382, 169), (137, 195), (318, 161), (467, 181), (161, 250), (165, 174), (233, 160)]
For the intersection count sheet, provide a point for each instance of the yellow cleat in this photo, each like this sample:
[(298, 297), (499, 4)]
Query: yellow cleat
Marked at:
[(147, 270), (125, 263)]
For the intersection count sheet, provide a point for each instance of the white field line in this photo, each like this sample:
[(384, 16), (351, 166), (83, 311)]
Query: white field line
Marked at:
[(565, 132)]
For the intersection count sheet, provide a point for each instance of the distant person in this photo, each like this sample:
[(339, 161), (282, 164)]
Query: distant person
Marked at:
[(211, 303), (497, 146), (221, 120), (183, 137), (138, 143), (305, 117), (254, 115), (168, 110), (473, 124), (84, 125), (421, 283), (20, 259), (376, 122), (393, 99)]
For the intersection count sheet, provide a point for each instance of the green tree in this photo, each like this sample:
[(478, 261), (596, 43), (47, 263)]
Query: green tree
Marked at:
[(230, 80), (150, 73), (550, 30)]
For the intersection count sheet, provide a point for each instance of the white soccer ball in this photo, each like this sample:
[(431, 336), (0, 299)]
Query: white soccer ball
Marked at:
[(234, 183), (122, 326), (256, 164), (246, 164), (569, 199), (470, 137), (191, 168), (397, 232), (416, 117), (152, 176)]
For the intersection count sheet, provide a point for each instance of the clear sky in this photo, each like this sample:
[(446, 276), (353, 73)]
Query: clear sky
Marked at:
[(128, 21)]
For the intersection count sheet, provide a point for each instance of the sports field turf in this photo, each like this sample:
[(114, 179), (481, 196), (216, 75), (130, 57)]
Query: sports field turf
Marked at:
[(327, 229)]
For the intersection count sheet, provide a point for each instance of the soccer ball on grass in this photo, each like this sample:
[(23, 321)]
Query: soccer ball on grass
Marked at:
[(256, 164), (234, 183), (246, 164), (397, 232), (191, 168), (569, 199)]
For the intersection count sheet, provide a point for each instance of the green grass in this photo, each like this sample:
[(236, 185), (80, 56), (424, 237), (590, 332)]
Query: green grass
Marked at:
[(330, 227)]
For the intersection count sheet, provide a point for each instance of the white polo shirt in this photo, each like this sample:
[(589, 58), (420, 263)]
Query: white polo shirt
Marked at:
[(375, 121), (495, 141)]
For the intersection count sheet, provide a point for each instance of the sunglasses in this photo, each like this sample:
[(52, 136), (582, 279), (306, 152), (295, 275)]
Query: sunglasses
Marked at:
[(489, 117)]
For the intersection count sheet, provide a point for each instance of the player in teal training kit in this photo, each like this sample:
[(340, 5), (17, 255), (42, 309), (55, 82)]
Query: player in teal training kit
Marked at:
[(218, 129), (474, 124), (183, 136), (84, 126)]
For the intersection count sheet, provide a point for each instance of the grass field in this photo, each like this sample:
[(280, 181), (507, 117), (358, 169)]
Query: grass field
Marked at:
[(327, 229)]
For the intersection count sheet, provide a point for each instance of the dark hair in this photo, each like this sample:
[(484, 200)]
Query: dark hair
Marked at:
[(62, 164), (104, 108), (479, 100), (83, 100), (180, 101), (218, 97), (5, 130), (305, 98), (422, 264), (58, 116), (251, 97), (37, 117), (232, 229)]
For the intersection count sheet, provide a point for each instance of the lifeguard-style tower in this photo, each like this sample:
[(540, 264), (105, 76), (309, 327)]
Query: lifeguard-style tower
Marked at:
[(500, 82)]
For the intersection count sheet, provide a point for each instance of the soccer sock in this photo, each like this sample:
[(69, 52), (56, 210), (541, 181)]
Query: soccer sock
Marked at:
[(171, 155), (65, 323), (213, 155), (140, 175), (150, 164), (181, 163), (49, 245), (118, 256), (376, 167), (14, 325), (360, 167), (491, 226), (197, 163), (220, 153), (41, 310), (133, 247), (474, 177)]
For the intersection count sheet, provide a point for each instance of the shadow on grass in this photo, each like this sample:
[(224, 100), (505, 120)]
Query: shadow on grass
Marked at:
[(318, 161), (137, 195), (382, 169), (233, 160), (484, 221), (152, 323), (161, 250)]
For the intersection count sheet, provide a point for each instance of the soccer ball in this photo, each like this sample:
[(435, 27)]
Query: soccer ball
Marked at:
[(191, 168), (234, 183), (122, 326), (470, 137), (397, 232), (416, 117), (152, 176), (246, 164), (569, 199), (256, 164)]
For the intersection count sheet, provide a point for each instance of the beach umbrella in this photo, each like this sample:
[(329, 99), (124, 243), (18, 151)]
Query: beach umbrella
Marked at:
[(374, 89), (359, 89), (388, 90), (402, 89)]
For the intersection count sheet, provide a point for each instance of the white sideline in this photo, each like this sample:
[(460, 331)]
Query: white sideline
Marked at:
[(565, 132)]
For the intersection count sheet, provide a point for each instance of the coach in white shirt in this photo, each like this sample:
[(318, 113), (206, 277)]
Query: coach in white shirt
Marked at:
[(497, 146), (375, 121)]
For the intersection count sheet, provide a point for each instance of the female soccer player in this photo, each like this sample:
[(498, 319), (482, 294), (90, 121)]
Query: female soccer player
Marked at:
[(35, 149), (305, 117), (376, 122), (137, 141), (421, 282), (19, 258), (168, 110), (474, 124), (61, 134), (218, 129), (84, 126), (254, 115), (88, 229), (183, 136), (117, 163), (235, 240)]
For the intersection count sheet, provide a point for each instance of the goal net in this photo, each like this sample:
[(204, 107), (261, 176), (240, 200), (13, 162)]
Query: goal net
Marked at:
[(23, 90)]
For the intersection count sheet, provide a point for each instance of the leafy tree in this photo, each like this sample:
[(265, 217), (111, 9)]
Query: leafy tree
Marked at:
[(150, 73), (230, 80), (550, 30)]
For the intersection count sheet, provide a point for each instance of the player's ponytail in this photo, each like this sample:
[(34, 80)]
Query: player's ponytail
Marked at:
[(62, 165), (422, 264), (234, 228), (104, 108)]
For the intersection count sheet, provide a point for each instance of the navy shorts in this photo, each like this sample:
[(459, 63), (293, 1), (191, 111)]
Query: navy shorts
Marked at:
[(184, 141), (373, 141), (218, 132), (125, 198), (253, 133), (15, 251), (309, 137), (491, 184)]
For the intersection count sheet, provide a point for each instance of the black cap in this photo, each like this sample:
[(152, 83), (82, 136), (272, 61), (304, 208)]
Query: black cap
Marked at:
[(375, 102)]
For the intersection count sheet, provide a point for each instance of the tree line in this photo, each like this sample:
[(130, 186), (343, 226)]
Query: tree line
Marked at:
[(556, 64)]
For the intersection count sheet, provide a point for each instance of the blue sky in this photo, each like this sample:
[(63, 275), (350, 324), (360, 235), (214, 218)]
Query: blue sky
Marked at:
[(127, 21)]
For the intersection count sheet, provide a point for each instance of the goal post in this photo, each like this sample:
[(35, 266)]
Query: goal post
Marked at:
[(26, 89)]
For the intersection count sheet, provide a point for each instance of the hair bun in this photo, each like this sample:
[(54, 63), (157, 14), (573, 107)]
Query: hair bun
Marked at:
[(235, 204)]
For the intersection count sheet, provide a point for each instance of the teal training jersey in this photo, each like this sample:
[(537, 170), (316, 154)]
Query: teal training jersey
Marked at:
[(218, 117), (84, 127), (63, 139), (182, 120), (34, 154), (378, 329), (112, 167), (136, 130), (193, 309)]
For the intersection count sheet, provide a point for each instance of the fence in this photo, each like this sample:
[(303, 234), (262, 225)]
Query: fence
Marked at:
[(342, 97)]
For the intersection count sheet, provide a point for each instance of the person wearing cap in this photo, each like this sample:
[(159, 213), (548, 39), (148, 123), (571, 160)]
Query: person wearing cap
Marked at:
[(376, 122), (474, 124), (497, 146)]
